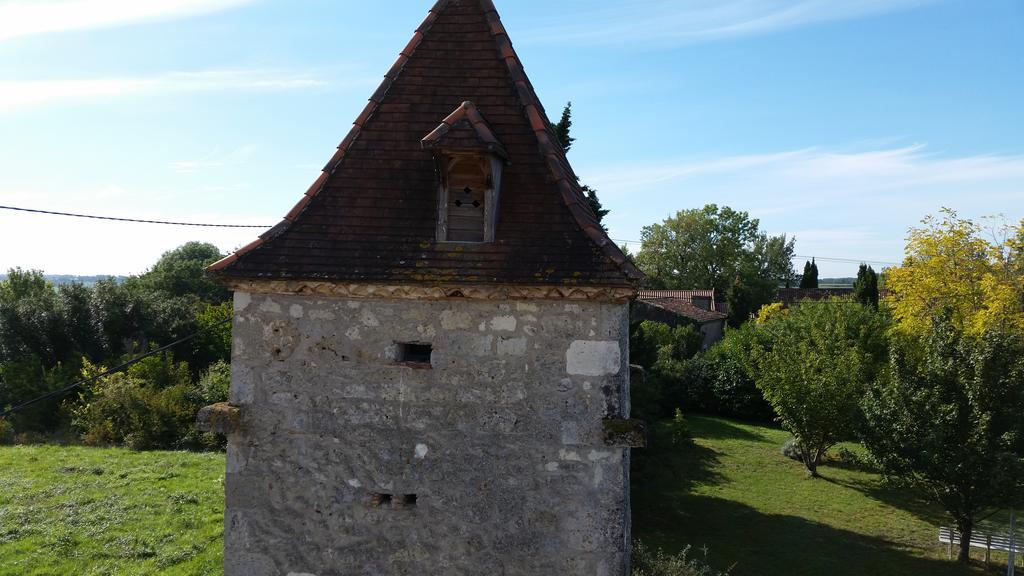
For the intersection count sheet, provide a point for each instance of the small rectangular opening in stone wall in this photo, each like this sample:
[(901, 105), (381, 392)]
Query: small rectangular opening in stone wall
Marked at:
[(415, 353), (409, 500)]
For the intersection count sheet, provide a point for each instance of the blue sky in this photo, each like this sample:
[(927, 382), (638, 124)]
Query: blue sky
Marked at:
[(841, 122)]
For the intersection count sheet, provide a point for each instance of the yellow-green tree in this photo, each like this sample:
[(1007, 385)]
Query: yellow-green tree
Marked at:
[(952, 268)]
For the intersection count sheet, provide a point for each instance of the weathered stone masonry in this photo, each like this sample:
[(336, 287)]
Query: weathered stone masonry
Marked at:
[(491, 460)]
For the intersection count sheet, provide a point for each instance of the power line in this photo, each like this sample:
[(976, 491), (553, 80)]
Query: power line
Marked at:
[(133, 220), (133, 361), (264, 227), (845, 260)]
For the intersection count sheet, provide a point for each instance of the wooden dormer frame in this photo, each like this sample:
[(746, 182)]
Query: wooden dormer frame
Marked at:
[(465, 135), (493, 167)]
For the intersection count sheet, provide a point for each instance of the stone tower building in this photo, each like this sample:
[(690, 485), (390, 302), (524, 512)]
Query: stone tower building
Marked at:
[(430, 371)]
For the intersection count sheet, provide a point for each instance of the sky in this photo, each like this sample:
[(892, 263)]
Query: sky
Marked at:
[(840, 123)]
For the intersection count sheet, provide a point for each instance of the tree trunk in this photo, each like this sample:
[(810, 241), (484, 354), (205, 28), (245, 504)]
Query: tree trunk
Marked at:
[(966, 529), (811, 461), (812, 466)]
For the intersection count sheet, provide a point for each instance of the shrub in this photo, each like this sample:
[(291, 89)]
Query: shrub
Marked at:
[(792, 451), (680, 431), (665, 354), (6, 432), (215, 383), (648, 562), (124, 409), (653, 342), (720, 381)]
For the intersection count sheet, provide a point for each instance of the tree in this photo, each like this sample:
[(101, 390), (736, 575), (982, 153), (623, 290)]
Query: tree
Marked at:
[(865, 289), (717, 248), (813, 365), (181, 272), (809, 281), (945, 418), (563, 130), (950, 268), (595, 205)]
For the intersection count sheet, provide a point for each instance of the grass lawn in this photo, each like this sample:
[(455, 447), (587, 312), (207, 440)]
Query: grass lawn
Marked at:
[(756, 511), (85, 512)]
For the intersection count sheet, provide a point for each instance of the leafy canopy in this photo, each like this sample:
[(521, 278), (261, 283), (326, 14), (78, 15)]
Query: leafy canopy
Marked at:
[(717, 248), (951, 268), (945, 418), (813, 364)]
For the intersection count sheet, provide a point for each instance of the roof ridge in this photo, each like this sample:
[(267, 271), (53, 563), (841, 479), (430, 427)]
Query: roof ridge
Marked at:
[(558, 163), (346, 142)]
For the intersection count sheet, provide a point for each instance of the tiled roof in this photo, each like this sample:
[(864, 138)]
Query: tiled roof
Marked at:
[(464, 129), (687, 310), (371, 216), (792, 295)]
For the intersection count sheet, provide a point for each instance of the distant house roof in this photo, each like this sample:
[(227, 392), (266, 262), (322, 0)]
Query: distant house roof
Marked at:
[(682, 294), (788, 296), (685, 309), (371, 217)]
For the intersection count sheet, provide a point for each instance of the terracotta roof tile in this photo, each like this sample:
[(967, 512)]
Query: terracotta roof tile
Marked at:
[(371, 216), (686, 310)]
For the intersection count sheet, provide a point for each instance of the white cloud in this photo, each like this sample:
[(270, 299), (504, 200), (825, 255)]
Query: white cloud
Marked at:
[(845, 204), (815, 175), (688, 21), (28, 17), (215, 159), (21, 94)]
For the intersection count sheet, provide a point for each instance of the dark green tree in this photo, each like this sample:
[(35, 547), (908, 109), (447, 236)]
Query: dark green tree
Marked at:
[(865, 289), (717, 248), (809, 281), (180, 272), (945, 419), (563, 130), (806, 278), (813, 365)]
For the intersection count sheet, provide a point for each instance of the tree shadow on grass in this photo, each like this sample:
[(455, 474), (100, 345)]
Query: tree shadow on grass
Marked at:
[(755, 544), (674, 467), (897, 497), (722, 429)]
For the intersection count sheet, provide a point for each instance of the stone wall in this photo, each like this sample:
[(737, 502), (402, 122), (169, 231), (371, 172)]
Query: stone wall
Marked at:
[(490, 460)]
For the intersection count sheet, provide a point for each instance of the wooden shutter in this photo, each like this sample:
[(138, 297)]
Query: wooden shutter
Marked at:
[(467, 200)]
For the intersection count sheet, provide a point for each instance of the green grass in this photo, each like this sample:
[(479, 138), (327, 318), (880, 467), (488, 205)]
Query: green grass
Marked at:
[(92, 512), (88, 512), (757, 512)]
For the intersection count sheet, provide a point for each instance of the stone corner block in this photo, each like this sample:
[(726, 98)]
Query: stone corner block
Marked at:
[(622, 433), (220, 418)]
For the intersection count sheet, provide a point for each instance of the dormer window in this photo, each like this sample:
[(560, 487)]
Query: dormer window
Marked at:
[(470, 162)]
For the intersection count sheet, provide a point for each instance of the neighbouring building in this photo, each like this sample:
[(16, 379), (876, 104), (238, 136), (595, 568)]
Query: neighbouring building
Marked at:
[(698, 308), (791, 296), (430, 366)]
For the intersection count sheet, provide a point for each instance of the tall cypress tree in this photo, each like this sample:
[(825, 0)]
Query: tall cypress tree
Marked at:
[(805, 280), (865, 289), (563, 131), (813, 282)]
